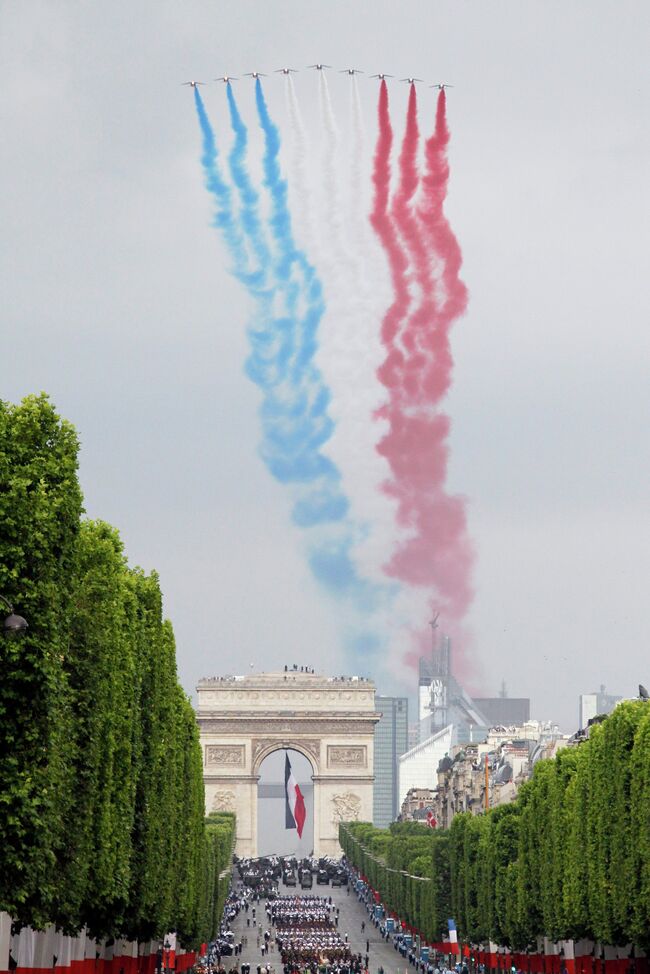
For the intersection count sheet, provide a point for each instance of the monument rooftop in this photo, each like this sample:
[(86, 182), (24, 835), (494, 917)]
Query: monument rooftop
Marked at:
[(260, 694), (282, 679)]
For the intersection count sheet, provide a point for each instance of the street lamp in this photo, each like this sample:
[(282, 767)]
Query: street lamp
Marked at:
[(13, 623)]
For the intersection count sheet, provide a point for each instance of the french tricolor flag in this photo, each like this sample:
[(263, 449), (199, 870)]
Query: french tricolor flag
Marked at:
[(295, 813), (453, 936)]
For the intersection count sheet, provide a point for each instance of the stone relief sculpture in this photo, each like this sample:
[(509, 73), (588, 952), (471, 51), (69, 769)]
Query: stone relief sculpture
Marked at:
[(223, 801), (225, 755), (346, 757), (346, 807)]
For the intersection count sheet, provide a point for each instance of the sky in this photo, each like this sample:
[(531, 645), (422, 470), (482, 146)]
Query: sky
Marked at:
[(116, 300)]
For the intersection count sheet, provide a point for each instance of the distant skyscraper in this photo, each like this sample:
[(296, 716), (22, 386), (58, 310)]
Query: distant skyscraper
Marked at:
[(391, 741), (506, 711), (442, 701), (593, 704)]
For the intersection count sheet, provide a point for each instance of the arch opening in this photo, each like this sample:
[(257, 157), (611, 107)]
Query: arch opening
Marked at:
[(273, 837)]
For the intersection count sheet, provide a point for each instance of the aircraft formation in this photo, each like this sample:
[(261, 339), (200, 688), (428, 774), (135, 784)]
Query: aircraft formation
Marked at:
[(381, 76)]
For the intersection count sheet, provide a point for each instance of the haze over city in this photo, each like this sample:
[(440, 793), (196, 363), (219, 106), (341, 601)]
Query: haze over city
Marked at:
[(119, 304)]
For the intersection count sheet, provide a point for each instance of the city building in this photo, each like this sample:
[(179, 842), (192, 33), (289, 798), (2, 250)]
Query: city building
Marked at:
[(595, 705), (417, 768), (417, 804), (391, 741), (506, 758)]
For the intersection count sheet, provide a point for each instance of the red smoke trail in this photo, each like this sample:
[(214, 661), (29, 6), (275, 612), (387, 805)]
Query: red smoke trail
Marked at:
[(442, 242), (385, 230), (415, 362), (437, 555)]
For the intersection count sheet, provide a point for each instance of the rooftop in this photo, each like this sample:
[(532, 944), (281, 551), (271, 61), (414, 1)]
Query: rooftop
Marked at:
[(286, 679)]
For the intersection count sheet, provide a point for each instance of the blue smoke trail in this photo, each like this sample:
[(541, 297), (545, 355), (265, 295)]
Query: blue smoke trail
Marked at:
[(247, 194), (297, 411), (224, 218), (294, 410)]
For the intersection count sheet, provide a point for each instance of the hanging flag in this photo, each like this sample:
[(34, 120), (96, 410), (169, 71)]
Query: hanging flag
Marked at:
[(295, 812), (431, 821), (453, 936)]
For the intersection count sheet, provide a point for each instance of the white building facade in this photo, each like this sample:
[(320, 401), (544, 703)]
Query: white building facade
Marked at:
[(418, 767)]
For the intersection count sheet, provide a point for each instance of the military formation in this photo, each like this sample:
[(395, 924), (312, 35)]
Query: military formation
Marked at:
[(307, 937)]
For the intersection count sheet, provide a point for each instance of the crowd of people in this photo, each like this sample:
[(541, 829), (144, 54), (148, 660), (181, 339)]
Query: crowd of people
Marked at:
[(300, 934)]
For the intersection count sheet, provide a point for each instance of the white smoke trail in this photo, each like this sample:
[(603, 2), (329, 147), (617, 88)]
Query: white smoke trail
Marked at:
[(358, 203), (300, 190), (350, 350), (330, 194)]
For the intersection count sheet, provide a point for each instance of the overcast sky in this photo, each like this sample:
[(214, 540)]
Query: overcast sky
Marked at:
[(117, 301)]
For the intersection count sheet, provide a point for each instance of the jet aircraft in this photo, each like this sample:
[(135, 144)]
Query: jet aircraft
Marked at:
[(351, 71), (192, 83), (381, 76), (319, 67), (226, 78), (441, 87), (410, 81), (285, 70), (255, 74)]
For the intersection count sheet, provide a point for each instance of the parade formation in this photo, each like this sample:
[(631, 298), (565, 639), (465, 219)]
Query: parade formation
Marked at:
[(306, 934), (266, 931)]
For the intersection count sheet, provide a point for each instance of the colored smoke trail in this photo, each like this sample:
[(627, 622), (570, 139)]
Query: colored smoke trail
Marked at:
[(224, 218), (302, 408), (436, 555), (298, 183), (383, 225), (330, 161), (248, 196), (294, 409), (356, 181), (356, 203), (322, 373), (442, 241), (415, 329), (349, 352)]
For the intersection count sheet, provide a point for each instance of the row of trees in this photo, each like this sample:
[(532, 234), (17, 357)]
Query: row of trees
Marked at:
[(569, 859), (101, 782), (220, 835), (408, 865)]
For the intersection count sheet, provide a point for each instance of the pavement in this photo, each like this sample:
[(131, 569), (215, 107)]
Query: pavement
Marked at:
[(353, 913)]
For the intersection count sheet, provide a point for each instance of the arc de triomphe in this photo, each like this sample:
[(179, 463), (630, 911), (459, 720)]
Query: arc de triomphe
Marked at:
[(330, 720)]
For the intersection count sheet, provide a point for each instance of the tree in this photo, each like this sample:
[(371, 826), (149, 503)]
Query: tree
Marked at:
[(575, 885), (441, 885), (458, 869), (615, 874), (40, 507), (504, 849), (101, 778), (640, 826), (94, 861)]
